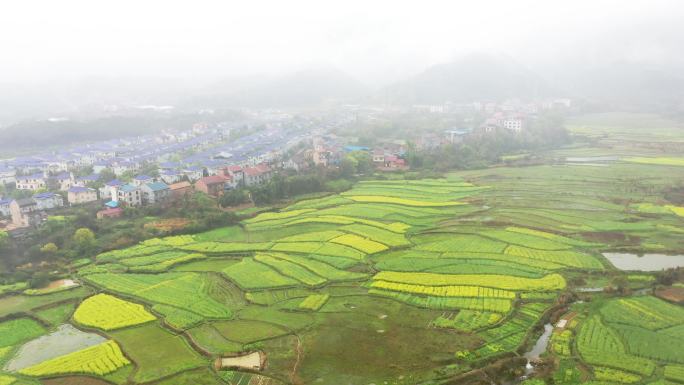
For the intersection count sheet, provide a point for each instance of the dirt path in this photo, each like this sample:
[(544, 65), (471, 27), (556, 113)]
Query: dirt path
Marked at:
[(293, 376)]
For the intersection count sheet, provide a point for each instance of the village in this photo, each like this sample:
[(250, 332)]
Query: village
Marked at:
[(161, 169)]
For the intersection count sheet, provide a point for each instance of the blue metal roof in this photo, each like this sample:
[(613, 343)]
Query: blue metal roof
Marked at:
[(157, 186), (114, 182), (356, 148), (45, 195), (91, 178), (128, 188)]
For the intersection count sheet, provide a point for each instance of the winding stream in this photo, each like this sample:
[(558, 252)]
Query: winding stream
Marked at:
[(533, 354), (540, 346)]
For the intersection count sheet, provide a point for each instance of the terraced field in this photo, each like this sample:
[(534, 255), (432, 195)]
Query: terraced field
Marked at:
[(463, 269), (107, 312)]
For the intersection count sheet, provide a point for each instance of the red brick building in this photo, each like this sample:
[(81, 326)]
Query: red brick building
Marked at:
[(211, 185), (180, 189)]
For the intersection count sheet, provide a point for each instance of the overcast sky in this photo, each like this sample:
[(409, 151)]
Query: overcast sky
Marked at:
[(375, 41)]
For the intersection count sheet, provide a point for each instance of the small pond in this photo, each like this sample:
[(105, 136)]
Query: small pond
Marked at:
[(647, 262), (64, 340)]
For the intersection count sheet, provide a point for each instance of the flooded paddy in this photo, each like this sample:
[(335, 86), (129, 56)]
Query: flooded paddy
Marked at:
[(64, 340), (647, 262), (251, 361)]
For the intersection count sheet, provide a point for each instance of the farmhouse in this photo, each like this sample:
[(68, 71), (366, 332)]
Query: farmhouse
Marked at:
[(211, 185), (513, 123), (298, 162), (109, 187), (455, 136), (171, 176), (83, 181), (110, 213), (61, 182), (236, 174), (25, 213), (48, 200), (100, 166), (31, 182), (394, 162), (156, 192), (194, 173), (257, 175), (124, 166), (179, 190), (379, 156), (127, 194), (77, 195), (141, 180)]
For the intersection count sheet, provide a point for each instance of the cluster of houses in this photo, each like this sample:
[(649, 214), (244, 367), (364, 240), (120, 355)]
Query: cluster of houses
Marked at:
[(509, 116), (142, 190), (511, 121), (328, 151), (490, 107), (30, 211), (200, 159), (180, 155)]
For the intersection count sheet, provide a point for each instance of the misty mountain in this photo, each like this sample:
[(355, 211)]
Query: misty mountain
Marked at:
[(51, 134), (299, 89), (87, 98), (625, 85), (473, 77)]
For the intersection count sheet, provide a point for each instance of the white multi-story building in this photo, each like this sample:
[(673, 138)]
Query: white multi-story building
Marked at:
[(31, 182), (512, 124), (127, 194)]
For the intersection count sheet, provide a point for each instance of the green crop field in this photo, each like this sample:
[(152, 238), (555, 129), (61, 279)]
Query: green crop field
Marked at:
[(396, 281), (291, 269), (467, 320), (601, 345), (58, 314), (250, 274), (19, 330), (546, 283), (447, 303), (184, 290), (156, 352)]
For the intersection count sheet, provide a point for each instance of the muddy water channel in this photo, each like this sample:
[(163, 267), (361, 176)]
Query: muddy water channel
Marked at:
[(534, 354), (647, 262), (540, 346)]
